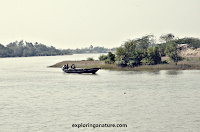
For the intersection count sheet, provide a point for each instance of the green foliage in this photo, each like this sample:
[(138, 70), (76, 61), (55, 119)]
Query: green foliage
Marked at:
[(19, 49), (167, 37), (91, 49), (145, 42), (111, 56), (23, 48), (90, 59), (131, 63), (147, 61), (162, 49), (164, 62), (103, 57), (156, 56), (135, 52), (153, 56), (187, 59), (120, 53), (150, 56), (121, 63), (134, 49), (172, 52), (125, 52), (110, 59), (192, 42), (136, 58), (107, 61)]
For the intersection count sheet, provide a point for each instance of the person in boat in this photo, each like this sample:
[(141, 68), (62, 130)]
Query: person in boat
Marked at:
[(67, 67), (64, 67), (73, 66)]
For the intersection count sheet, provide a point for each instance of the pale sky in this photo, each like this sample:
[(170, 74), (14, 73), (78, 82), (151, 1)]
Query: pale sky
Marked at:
[(81, 23)]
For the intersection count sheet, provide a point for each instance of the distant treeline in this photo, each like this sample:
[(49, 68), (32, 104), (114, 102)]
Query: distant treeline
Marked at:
[(25, 49), (92, 49)]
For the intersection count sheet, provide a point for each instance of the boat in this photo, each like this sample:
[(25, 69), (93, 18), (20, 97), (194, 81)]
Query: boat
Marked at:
[(80, 71)]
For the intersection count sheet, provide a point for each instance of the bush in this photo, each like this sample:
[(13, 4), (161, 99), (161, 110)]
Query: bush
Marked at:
[(108, 61), (147, 61), (164, 62), (121, 63), (90, 59), (103, 57), (131, 63), (187, 59)]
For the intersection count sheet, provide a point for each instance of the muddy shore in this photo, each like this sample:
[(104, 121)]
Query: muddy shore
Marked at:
[(192, 63)]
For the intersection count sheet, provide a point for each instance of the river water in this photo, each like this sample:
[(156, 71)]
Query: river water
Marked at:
[(34, 98)]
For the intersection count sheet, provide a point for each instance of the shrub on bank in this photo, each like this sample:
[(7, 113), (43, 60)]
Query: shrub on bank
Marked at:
[(103, 57), (90, 59)]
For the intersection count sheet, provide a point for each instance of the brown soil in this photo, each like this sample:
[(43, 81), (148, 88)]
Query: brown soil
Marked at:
[(189, 52), (78, 64), (191, 63)]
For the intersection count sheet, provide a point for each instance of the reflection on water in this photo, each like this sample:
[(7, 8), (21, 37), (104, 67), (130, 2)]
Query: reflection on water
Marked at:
[(153, 72), (36, 98), (173, 72)]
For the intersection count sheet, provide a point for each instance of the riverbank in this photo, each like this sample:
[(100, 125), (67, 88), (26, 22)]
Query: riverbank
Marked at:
[(192, 63)]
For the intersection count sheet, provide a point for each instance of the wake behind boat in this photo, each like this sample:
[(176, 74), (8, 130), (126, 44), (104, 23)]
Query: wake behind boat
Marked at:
[(80, 71)]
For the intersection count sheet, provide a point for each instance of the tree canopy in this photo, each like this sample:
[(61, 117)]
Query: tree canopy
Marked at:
[(172, 52), (137, 52)]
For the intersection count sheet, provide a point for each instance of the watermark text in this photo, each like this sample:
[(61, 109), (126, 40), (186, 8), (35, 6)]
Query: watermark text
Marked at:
[(98, 125)]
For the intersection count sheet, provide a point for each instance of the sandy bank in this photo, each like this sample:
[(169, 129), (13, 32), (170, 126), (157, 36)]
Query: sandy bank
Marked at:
[(192, 63)]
